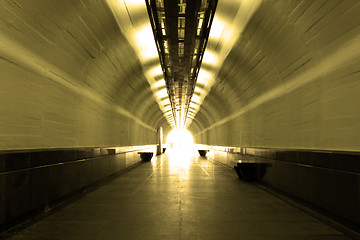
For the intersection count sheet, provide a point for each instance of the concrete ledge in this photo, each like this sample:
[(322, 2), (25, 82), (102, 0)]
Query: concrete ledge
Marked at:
[(31, 181), (327, 180)]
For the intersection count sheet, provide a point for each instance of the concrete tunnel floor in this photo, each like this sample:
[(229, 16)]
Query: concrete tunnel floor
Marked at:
[(179, 196)]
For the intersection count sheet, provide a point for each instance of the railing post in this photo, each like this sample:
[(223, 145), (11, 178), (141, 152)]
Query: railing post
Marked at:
[(159, 140)]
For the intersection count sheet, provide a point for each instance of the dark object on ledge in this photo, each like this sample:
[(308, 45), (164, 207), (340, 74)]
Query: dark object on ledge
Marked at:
[(250, 170), (164, 149), (246, 171), (203, 152), (146, 156)]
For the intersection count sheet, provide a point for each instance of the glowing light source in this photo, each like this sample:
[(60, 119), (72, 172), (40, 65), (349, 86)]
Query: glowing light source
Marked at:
[(194, 112), (160, 83), (203, 77), (162, 93), (179, 138), (144, 39), (217, 29), (209, 58), (156, 71), (132, 17), (195, 98), (194, 105), (198, 90), (165, 102), (167, 108)]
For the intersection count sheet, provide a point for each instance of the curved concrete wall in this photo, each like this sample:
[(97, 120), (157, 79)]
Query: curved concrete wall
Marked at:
[(69, 78), (288, 94), (290, 81), (71, 87)]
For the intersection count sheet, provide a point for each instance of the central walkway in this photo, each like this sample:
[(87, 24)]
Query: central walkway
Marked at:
[(179, 196)]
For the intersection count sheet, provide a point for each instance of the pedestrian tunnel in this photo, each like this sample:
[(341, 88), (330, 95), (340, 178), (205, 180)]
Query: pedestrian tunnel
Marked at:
[(87, 85)]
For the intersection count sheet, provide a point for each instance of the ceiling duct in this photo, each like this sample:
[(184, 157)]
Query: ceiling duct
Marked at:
[(181, 29)]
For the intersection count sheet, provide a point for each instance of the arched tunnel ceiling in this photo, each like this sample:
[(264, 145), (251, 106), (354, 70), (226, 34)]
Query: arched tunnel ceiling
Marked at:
[(251, 52), (283, 46), (79, 45), (257, 50), (133, 20), (231, 18)]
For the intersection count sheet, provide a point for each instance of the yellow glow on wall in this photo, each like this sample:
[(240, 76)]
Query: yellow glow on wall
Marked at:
[(217, 29), (209, 58), (167, 108), (144, 39), (198, 90), (203, 77), (160, 83), (227, 36), (162, 93), (225, 30), (132, 18), (191, 109), (156, 71), (165, 102), (195, 98), (194, 105)]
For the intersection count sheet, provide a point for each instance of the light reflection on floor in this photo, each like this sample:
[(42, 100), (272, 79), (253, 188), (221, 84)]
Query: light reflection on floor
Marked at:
[(179, 195), (180, 159)]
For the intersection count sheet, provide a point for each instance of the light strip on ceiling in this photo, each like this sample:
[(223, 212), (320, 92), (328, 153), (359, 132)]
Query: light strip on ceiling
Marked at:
[(133, 20), (224, 33)]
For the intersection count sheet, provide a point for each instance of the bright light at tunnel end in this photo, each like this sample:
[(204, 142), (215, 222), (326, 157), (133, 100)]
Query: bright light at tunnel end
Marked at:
[(180, 138)]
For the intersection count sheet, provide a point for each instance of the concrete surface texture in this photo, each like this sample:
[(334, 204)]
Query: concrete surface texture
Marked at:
[(279, 79), (71, 78), (290, 80)]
